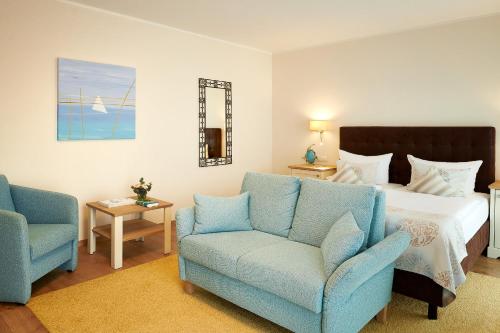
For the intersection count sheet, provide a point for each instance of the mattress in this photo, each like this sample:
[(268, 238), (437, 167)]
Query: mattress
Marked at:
[(472, 211)]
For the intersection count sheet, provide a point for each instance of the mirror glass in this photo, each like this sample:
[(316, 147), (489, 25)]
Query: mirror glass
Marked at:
[(215, 123), (215, 131)]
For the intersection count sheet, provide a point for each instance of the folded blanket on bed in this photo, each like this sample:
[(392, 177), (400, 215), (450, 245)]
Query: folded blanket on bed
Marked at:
[(437, 247)]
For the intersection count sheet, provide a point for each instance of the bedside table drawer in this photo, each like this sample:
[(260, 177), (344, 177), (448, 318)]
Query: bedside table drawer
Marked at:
[(311, 174), (305, 174)]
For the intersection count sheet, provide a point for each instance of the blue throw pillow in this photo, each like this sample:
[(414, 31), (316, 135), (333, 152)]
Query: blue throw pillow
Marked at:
[(218, 214), (342, 242)]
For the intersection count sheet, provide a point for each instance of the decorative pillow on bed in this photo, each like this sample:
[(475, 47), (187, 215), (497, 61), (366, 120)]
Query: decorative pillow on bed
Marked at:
[(347, 175), (382, 168), (342, 242), (433, 182), (460, 175), (219, 214), (366, 171)]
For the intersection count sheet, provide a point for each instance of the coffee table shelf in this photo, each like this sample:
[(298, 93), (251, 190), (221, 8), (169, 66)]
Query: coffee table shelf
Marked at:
[(120, 231), (132, 229)]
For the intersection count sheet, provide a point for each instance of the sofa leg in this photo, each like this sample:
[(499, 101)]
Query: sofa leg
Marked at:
[(188, 287), (432, 312), (382, 315)]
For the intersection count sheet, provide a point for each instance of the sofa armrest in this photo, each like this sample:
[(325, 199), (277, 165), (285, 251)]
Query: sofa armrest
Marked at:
[(45, 207), (15, 273), (184, 220), (354, 272)]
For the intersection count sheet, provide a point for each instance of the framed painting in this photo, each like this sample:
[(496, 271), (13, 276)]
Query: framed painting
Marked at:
[(95, 101)]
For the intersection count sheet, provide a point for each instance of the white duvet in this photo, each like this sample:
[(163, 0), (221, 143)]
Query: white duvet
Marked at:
[(439, 227)]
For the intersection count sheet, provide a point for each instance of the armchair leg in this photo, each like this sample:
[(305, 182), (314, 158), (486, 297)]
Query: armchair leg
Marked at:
[(382, 315), (188, 287)]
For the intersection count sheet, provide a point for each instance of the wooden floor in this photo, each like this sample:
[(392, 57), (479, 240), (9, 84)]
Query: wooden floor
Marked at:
[(18, 318)]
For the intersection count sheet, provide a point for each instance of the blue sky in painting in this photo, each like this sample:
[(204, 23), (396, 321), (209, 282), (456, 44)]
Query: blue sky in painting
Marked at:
[(94, 79)]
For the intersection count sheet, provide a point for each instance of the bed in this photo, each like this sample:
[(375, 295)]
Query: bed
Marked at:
[(450, 144)]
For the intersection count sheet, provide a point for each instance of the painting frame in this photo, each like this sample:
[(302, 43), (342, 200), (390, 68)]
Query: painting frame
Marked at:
[(95, 101)]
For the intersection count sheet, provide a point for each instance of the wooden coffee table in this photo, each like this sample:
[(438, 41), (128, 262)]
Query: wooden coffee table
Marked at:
[(120, 231)]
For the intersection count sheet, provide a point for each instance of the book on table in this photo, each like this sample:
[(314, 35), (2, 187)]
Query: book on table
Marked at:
[(111, 203), (147, 203)]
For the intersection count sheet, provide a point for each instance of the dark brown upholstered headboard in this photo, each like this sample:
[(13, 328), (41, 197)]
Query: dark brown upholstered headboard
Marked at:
[(448, 144)]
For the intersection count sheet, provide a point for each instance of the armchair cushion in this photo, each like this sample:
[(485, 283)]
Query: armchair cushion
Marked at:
[(43, 238), (272, 201), (342, 242), (322, 203), (221, 251), (291, 270), (6, 202), (219, 214)]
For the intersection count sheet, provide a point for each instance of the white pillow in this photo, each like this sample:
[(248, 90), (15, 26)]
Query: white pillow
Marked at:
[(461, 175), (367, 172), (382, 169)]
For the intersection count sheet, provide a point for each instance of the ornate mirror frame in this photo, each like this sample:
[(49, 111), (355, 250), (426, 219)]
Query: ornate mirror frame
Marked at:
[(202, 85)]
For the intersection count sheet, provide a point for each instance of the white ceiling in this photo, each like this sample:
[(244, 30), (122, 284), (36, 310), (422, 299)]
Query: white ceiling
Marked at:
[(282, 25)]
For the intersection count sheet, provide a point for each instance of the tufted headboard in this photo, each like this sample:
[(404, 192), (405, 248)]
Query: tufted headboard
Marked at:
[(447, 144)]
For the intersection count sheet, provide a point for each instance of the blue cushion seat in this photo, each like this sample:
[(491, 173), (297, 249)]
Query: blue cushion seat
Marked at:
[(272, 201), (291, 270), (44, 238), (221, 251)]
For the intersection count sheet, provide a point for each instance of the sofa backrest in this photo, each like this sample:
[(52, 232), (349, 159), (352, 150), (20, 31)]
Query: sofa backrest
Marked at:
[(6, 202), (272, 201), (322, 203)]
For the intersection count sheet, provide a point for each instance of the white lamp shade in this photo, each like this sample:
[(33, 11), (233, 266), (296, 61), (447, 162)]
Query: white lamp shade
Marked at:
[(318, 125)]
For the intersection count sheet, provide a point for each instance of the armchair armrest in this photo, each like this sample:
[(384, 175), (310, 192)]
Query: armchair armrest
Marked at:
[(15, 275), (45, 207), (354, 272)]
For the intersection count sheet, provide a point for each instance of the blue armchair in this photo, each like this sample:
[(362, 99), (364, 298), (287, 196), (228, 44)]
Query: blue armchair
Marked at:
[(38, 233)]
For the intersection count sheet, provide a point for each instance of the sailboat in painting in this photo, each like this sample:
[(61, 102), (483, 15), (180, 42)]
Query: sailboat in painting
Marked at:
[(99, 105)]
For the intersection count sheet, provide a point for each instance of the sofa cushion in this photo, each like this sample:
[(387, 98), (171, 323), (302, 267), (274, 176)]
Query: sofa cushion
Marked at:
[(44, 238), (342, 242), (321, 203), (291, 270), (218, 214), (6, 202), (272, 201), (221, 251)]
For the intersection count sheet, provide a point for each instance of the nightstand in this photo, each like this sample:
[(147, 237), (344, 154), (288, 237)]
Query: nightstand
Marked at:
[(312, 170), (494, 246)]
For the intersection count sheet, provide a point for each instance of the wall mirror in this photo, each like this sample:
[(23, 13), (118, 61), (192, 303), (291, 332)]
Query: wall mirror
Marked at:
[(215, 122)]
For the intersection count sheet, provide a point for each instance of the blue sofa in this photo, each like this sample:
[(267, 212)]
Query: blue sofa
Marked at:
[(38, 233), (276, 270)]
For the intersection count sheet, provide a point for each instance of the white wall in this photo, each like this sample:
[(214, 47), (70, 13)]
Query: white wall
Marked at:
[(168, 63), (444, 75)]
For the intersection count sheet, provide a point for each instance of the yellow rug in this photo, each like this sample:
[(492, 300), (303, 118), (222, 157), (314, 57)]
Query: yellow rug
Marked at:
[(149, 298)]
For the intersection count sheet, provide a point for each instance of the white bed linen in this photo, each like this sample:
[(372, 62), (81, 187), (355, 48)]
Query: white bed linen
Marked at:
[(440, 228), (472, 211)]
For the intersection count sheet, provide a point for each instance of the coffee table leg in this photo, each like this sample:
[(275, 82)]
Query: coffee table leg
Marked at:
[(91, 242), (140, 239), (167, 220), (117, 242)]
